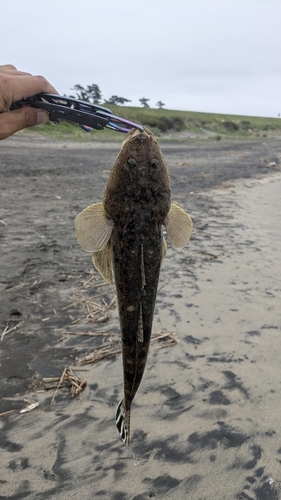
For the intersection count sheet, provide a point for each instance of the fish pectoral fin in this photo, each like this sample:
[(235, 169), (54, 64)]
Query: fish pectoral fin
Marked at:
[(123, 422), (178, 225), (93, 228), (103, 263)]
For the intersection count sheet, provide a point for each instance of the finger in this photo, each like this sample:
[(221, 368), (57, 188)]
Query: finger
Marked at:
[(13, 121), (13, 89), (14, 72), (39, 84), (6, 67)]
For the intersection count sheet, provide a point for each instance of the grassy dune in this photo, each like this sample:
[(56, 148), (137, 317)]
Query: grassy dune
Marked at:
[(174, 125)]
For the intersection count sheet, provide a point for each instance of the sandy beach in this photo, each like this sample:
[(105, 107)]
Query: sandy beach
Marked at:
[(206, 419)]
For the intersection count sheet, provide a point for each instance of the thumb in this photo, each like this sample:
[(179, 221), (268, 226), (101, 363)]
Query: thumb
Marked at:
[(13, 121)]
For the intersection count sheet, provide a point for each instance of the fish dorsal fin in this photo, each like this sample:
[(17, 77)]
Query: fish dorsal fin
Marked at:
[(164, 249), (143, 279), (178, 225), (123, 423), (103, 263), (93, 228), (140, 327)]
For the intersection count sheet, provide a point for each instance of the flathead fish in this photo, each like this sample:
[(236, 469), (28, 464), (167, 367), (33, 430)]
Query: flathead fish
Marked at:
[(125, 234)]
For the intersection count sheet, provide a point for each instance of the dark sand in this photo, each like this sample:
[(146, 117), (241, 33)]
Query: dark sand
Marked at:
[(206, 419)]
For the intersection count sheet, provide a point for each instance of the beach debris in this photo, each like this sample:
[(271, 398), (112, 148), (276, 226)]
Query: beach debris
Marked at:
[(101, 353), (21, 285), (209, 255), (124, 235), (67, 380), (8, 412), (12, 288), (96, 312), (113, 348), (9, 329), (30, 407), (165, 339), (271, 481)]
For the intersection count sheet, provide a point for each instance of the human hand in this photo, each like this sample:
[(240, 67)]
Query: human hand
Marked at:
[(16, 85)]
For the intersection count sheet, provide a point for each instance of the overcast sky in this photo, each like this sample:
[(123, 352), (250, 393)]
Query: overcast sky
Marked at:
[(220, 56)]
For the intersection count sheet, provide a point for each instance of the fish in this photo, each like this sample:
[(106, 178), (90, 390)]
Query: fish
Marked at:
[(125, 235)]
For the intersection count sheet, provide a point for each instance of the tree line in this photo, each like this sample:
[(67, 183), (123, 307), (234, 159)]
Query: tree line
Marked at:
[(93, 95)]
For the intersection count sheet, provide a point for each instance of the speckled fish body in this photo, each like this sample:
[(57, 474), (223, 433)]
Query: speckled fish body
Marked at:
[(138, 199), (125, 233)]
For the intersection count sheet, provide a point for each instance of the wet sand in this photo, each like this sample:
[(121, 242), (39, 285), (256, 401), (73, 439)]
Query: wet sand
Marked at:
[(205, 421)]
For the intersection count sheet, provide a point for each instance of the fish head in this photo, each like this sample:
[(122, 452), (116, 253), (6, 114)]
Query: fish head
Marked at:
[(142, 153), (139, 174), (136, 132)]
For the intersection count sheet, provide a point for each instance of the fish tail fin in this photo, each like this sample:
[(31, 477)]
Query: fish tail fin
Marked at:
[(123, 422)]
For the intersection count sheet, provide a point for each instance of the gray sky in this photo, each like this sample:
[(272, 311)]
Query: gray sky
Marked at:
[(219, 56)]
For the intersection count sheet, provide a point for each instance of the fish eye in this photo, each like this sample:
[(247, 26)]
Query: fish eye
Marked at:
[(132, 162), (154, 163)]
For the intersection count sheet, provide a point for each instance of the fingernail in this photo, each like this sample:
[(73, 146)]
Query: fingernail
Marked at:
[(42, 117)]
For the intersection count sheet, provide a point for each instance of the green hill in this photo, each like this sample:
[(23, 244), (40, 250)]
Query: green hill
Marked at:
[(174, 125)]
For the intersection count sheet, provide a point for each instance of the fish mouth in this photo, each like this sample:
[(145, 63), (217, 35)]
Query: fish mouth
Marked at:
[(135, 132)]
